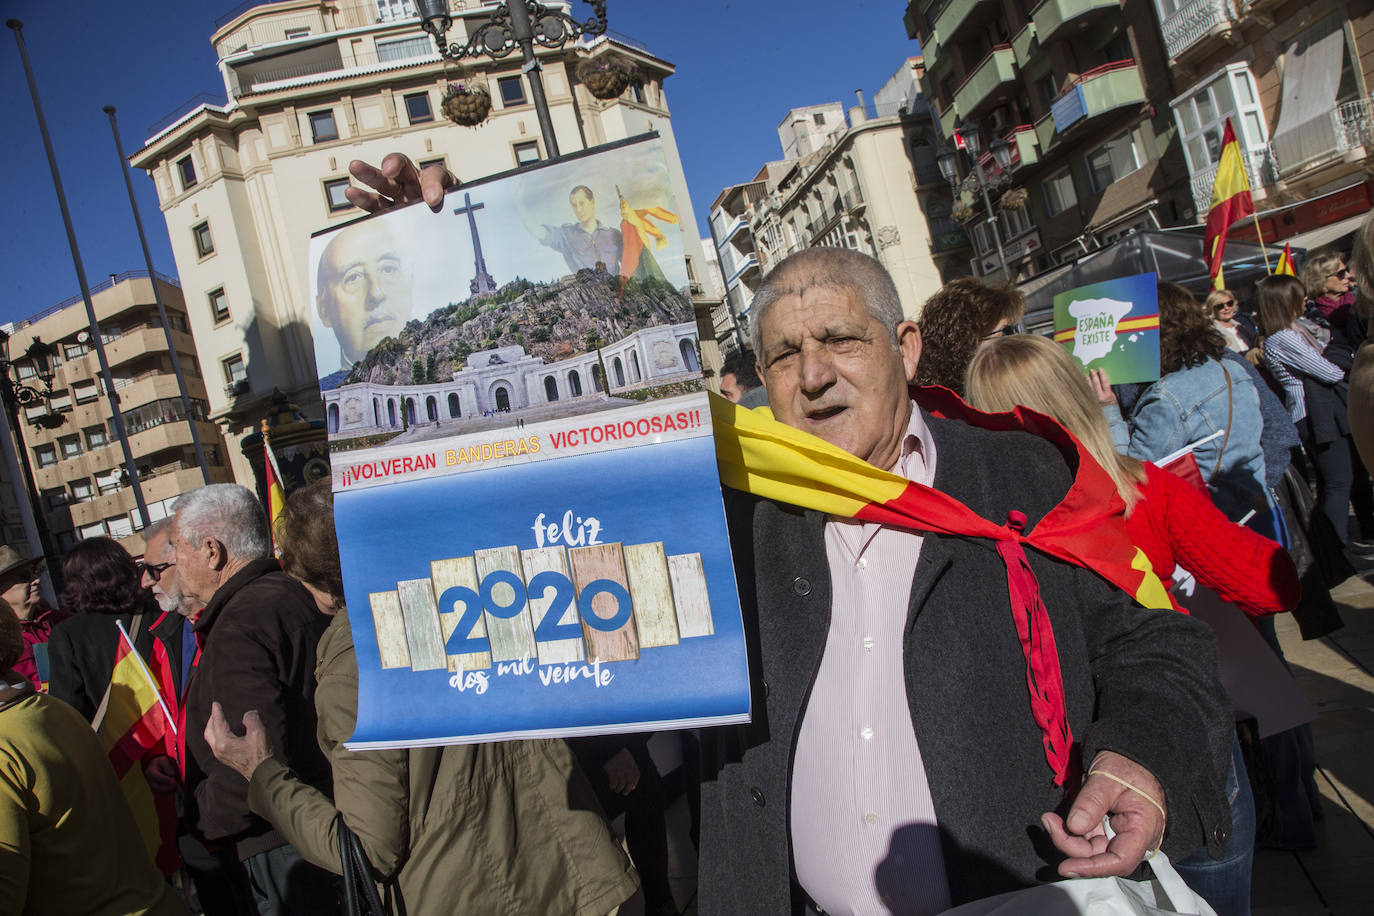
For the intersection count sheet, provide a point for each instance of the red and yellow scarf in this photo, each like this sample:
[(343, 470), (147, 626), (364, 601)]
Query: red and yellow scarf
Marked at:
[(757, 454)]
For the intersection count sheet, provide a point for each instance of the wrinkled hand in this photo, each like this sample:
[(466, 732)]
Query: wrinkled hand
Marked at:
[(1138, 825), (162, 774), (622, 772), (398, 181), (241, 754), (1102, 388)]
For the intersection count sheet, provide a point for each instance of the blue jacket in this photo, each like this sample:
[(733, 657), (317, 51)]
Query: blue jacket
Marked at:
[(1191, 404)]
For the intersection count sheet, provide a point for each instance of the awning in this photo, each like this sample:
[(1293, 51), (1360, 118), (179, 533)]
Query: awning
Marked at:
[(1326, 235)]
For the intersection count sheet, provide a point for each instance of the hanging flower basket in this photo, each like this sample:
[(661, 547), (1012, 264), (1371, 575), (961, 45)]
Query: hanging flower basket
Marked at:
[(1015, 199), (467, 104), (962, 212), (606, 77)]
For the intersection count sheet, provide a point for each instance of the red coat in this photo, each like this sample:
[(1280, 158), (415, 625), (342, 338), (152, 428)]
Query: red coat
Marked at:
[(36, 630), (1176, 525)]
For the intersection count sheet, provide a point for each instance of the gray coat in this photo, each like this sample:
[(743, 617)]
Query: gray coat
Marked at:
[(1137, 681)]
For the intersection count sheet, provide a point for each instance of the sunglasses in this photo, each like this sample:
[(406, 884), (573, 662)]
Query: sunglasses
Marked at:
[(1342, 273), (1009, 330), (154, 570)]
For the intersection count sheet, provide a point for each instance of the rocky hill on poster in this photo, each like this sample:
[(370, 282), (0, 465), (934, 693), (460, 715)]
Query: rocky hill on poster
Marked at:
[(551, 320)]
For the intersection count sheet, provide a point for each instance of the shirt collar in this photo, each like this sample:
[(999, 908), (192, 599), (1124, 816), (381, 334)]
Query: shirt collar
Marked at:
[(918, 450)]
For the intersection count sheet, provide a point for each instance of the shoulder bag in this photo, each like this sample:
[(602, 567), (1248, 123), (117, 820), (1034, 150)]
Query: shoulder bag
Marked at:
[(359, 890)]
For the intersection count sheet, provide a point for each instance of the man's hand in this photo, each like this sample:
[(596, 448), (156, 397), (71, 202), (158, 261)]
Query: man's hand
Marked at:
[(398, 181), (622, 772), (241, 754), (1102, 388), (162, 774), (1139, 825)]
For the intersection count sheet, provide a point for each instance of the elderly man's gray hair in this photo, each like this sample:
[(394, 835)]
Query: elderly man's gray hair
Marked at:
[(230, 514), (162, 526), (836, 268)]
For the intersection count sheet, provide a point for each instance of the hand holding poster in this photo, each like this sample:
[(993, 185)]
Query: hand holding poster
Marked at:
[(1113, 325), (526, 498)]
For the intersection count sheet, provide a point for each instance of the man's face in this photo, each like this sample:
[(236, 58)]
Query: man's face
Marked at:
[(583, 207), (367, 296), (197, 578), (831, 370), (19, 589), (166, 587), (729, 387)]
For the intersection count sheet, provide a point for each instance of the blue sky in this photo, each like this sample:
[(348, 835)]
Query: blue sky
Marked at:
[(741, 64)]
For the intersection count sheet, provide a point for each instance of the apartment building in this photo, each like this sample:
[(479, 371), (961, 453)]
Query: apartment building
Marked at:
[(1293, 81), (310, 85), (70, 441), (1080, 90)]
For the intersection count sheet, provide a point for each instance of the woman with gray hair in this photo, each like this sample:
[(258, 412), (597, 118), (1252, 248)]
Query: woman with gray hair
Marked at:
[(69, 841)]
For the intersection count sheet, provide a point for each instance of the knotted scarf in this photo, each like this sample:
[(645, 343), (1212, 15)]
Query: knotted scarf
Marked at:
[(759, 455)]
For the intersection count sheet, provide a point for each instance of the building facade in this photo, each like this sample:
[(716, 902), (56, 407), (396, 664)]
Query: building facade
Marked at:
[(75, 456), (1080, 90), (311, 85)]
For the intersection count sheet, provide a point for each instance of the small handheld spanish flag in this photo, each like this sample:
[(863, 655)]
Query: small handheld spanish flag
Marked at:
[(276, 496), (1285, 266)]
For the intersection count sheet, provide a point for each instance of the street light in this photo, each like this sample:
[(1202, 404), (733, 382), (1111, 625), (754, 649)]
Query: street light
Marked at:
[(1001, 153), (515, 23), (14, 393)]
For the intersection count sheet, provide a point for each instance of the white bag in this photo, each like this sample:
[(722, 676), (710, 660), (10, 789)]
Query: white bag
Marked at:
[(1165, 893)]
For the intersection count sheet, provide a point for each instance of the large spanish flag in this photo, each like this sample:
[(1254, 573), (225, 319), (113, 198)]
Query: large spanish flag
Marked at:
[(132, 728), (757, 454), (1230, 202)]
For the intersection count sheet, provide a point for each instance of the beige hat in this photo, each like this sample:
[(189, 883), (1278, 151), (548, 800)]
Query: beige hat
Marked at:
[(11, 559)]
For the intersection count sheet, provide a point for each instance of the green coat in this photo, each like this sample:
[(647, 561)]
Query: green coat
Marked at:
[(510, 827)]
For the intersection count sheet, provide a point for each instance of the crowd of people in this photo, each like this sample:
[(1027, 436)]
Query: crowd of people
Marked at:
[(894, 761)]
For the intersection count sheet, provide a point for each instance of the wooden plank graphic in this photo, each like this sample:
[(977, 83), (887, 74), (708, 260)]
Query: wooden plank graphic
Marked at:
[(604, 562), (646, 569), (388, 621), (555, 560), (445, 574), (511, 638), (423, 634), (690, 596)]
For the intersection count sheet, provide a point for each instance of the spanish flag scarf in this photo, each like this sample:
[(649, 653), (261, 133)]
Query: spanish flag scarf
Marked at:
[(758, 455)]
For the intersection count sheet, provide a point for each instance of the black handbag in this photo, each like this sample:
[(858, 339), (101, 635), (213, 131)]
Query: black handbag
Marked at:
[(359, 891)]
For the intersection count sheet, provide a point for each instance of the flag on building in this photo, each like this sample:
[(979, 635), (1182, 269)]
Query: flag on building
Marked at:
[(276, 495), (639, 238), (133, 722), (758, 455), (1285, 266), (1230, 202)]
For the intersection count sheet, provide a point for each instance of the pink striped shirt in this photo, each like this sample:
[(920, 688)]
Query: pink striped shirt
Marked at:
[(864, 838)]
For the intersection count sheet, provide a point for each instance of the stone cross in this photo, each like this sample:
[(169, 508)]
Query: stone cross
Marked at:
[(483, 282)]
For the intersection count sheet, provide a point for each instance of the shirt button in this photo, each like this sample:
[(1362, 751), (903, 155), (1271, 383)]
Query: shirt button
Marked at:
[(870, 818), (862, 564), (866, 733), (868, 643)]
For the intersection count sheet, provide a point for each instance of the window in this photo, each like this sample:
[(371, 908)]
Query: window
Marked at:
[(219, 305), (418, 109), (426, 163), (1112, 161), (299, 32), (512, 90), (96, 436), (640, 97), (70, 446), (91, 531), (235, 370), (334, 194), (526, 152), (819, 118), (108, 481), (120, 526), (187, 169), (71, 351), (1202, 114), (404, 49), (45, 456), (27, 370), (56, 498), (205, 245), (1013, 222), (322, 126), (81, 490), (85, 393), (393, 10), (1059, 193)]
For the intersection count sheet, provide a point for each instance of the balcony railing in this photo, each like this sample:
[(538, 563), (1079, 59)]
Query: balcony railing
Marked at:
[(1259, 165), (1052, 15), (1345, 129), (1195, 21), (998, 68), (1096, 92)]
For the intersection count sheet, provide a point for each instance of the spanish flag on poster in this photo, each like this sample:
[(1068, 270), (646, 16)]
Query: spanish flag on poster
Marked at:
[(759, 455), (1230, 202), (276, 496), (1285, 266), (133, 722)]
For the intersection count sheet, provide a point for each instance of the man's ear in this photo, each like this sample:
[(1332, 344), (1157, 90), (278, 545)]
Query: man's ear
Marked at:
[(323, 309), (758, 370), (216, 555), (909, 344)]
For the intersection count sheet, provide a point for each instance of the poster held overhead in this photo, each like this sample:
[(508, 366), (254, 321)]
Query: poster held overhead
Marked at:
[(1112, 325)]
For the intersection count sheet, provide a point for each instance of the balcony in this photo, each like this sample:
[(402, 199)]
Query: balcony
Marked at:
[(1344, 133), (137, 343), (946, 235), (1196, 22), (1026, 44), (1051, 16), (1093, 94), (959, 14), (996, 71), (749, 263), (1025, 146), (948, 116), (736, 225), (1259, 166)]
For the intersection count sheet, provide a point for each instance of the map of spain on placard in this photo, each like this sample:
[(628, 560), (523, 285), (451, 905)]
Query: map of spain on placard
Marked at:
[(1113, 325)]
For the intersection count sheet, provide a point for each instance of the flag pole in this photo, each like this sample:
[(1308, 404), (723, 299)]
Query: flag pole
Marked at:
[(1259, 236), (147, 675)]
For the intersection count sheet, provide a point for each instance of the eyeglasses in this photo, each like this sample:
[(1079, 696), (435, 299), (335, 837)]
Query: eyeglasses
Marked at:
[(1342, 273), (154, 570), (1009, 330)]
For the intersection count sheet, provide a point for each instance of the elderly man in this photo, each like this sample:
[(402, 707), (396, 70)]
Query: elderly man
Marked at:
[(362, 289), (893, 763), (258, 633)]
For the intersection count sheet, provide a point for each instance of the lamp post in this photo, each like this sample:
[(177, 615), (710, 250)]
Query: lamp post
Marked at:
[(949, 167), (514, 24), (15, 393)]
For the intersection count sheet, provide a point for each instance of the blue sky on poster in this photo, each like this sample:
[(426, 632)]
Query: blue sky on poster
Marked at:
[(741, 64)]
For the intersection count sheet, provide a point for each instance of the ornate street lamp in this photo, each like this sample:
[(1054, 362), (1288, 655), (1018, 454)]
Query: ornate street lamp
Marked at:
[(14, 393), (514, 24), (17, 394), (1001, 153)]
